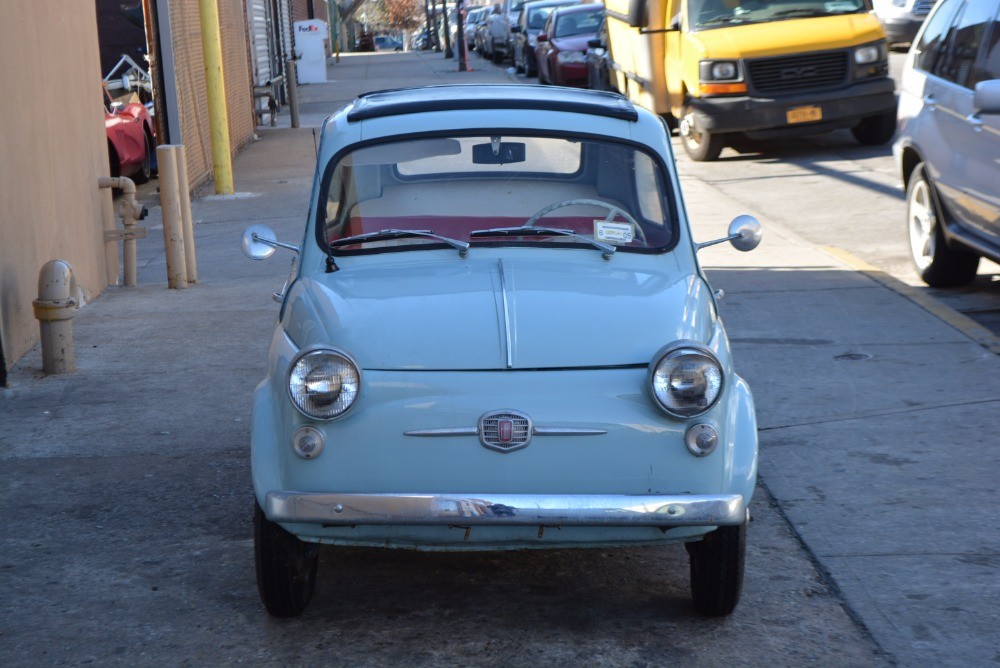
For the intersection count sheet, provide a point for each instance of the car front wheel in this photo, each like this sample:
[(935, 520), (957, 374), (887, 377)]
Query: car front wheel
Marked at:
[(717, 570), (937, 265), (286, 567), (146, 168)]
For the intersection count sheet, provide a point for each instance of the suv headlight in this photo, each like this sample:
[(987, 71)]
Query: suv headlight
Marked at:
[(323, 384), (685, 379)]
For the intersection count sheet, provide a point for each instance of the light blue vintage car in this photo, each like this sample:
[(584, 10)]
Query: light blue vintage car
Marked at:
[(497, 336)]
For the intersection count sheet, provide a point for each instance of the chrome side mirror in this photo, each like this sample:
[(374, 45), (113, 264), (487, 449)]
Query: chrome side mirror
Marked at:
[(259, 242), (744, 233)]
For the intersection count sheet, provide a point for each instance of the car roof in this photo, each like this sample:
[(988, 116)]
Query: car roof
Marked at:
[(463, 97), (575, 9), (534, 4)]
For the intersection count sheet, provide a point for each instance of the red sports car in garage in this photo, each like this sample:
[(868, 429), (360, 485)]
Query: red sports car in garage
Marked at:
[(131, 140)]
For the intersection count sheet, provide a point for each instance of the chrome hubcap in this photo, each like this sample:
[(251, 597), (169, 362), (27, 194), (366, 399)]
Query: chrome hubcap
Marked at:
[(921, 221)]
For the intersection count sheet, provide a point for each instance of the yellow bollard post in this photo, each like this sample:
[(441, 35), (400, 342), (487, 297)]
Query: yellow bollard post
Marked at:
[(215, 84)]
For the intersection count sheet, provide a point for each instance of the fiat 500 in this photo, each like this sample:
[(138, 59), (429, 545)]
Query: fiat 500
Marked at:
[(497, 336)]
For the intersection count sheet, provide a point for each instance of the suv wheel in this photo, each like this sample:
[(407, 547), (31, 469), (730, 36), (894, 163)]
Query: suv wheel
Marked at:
[(938, 265)]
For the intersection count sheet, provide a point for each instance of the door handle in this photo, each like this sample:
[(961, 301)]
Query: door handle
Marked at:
[(975, 122), (930, 102)]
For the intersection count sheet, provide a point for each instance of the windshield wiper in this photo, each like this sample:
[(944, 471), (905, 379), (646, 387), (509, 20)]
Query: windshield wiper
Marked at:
[(608, 249), (461, 246), (805, 11), (722, 18)]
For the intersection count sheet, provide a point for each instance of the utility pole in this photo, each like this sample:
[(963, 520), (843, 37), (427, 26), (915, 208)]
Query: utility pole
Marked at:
[(448, 53), (427, 11), (462, 64)]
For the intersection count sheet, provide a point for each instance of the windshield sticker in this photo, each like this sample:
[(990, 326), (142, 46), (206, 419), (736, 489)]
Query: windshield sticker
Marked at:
[(616, 233), (842, 6)]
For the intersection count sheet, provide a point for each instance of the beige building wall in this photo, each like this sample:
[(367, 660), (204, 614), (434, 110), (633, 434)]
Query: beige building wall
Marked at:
[(185, 29), (52, 149)]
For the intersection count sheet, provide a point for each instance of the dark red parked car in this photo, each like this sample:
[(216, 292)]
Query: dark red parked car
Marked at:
[(562, 45), (131, 140)]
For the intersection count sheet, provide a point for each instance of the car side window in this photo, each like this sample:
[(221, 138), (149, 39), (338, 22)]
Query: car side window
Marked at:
[(930, 50), (991, 62), (967, 36)]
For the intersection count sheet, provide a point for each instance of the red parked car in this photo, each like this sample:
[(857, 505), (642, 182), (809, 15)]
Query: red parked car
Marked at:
[(562, 44), (131, 140)]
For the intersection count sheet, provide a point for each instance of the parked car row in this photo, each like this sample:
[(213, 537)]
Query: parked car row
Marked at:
[(562, 42)]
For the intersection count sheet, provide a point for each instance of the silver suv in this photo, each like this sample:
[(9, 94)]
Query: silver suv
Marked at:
[(901, 19), (948, 146)]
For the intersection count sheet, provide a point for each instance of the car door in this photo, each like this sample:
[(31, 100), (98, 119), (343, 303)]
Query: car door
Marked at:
[(965, 161)]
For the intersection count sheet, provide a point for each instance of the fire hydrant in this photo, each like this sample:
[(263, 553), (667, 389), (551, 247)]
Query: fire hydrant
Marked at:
[(55, 307), (131, 212)]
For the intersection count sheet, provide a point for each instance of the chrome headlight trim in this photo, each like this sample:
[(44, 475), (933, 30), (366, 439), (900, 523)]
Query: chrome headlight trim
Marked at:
[(343, 390), (672, 351)]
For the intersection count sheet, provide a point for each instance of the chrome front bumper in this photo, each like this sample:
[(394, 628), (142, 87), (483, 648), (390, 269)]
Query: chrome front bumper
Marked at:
[(506, 509)]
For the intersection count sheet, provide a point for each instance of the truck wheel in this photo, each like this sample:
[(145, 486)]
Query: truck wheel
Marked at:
[(875, 130), (701, 146), (937, 265), (717, 570), (286, 567)]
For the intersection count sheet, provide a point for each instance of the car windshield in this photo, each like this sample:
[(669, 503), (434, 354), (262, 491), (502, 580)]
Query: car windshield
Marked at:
[(578, 23), (536, 17), (708, 14), (468, 189)]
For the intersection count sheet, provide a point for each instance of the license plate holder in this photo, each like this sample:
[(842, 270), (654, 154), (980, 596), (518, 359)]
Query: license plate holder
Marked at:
[(805, 114)]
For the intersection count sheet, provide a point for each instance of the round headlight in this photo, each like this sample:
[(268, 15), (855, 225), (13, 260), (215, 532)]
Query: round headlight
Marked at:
[(324, 384), (685, 381)]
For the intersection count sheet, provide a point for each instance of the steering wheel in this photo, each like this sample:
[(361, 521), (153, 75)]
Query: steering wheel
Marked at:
[(611, 208)]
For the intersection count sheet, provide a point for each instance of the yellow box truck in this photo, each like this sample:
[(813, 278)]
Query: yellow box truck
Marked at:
[(762, 68)]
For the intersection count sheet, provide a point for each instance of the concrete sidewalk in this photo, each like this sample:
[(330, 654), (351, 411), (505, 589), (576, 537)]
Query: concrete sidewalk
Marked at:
[(878, 426)]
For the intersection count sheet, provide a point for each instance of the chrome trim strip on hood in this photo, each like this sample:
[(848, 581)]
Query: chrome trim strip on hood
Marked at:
[(506, 314), (658, 510), (537, 431)]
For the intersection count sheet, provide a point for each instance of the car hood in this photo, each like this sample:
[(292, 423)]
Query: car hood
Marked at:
[(574, 43), (459, 315), (760, 40)]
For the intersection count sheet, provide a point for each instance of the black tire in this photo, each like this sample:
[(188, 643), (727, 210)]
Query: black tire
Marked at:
[(937, 265), (717, 570), (114, 164), (700, 146), (286, 567), (146, 168), (497, 56), (875, 130)]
